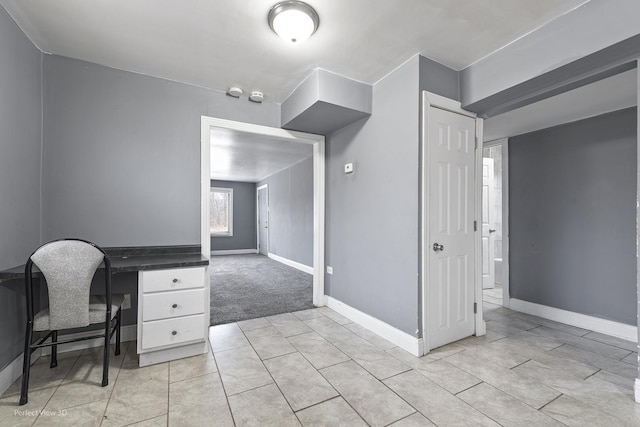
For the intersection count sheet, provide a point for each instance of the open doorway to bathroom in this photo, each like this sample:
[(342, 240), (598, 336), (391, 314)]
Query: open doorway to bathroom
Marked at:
[(492, 224)]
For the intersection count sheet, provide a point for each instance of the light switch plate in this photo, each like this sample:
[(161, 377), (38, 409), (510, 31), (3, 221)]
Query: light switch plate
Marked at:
[(329, 269), (348, 168)]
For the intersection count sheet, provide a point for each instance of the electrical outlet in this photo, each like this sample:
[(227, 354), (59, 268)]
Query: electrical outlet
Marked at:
[(329, 269), (126, 304)]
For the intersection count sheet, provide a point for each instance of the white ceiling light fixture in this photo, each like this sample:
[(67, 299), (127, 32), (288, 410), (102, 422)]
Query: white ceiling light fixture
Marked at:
[(293, 20)]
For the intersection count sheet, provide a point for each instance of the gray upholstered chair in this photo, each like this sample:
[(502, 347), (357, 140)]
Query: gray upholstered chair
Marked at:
[(68, 267)]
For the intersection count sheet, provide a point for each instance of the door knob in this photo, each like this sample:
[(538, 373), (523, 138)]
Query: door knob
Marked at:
[(438, 247), (492, 231)]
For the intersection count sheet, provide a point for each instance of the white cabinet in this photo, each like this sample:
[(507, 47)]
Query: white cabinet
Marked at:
[(173, 314)]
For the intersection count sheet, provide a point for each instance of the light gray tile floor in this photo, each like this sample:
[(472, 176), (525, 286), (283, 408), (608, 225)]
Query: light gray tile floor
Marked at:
[(315, 367)]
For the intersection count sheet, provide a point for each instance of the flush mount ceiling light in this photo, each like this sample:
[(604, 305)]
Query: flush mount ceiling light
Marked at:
[(293, 20)]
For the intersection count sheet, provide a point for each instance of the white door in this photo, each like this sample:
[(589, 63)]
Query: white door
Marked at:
[(488, 225), (263, 220), (450, 244)]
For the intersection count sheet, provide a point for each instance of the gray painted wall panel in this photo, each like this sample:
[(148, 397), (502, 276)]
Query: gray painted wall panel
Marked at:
[(291, 212), (345, 92), (596, 25), (325, 102), (122, 153), (439, 79), (244, 217), (372, 214), (572, 192), (20, 141), (303, 97), (20, 148)]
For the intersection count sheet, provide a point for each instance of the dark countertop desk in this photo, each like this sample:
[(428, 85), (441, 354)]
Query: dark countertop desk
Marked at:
[(130, 259)]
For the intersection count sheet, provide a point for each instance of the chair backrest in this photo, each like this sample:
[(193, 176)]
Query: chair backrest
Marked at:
[(68, 267)]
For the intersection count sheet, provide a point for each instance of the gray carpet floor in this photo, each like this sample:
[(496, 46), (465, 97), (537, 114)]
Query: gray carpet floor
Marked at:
[(249, 286)]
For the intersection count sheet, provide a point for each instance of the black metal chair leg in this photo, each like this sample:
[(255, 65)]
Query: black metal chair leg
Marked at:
[(26, 365), (119, 320), (105, 360), (54, 350)]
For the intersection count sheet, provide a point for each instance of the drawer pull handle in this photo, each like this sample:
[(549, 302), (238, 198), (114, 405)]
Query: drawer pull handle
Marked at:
[(174, 306), (174, 332), (175, 280)]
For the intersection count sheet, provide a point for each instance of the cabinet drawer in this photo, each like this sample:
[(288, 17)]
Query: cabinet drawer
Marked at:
[(160, 333), (164, 305), (174, 279)]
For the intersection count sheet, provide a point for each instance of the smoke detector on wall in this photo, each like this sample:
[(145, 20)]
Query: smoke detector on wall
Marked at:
[(235, 91), (256, 96)]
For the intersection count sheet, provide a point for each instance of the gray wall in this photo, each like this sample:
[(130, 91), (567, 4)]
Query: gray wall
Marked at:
[(20, 139), (121, 160), (372, 214), (439, 79), (596, 25), (572, 222), (244, 217), (20, 148), (291, 212)]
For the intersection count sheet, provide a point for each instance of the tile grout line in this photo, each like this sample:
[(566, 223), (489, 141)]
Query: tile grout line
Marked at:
[(344, 399), (589, 376), (520, 364), (320, 373), (57, 387), (271, 376), (104, 413), (549, 402), (224, 390), (469, 388)]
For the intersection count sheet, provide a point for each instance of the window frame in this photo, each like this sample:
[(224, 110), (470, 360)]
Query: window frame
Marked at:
[(228, 233)]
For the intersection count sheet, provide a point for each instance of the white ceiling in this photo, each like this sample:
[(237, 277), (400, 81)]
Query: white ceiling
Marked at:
[(611, 94), (242, 156), (218, 43)]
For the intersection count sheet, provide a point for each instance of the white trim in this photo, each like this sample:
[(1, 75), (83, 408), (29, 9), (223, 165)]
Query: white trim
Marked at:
[(266, 188), (439, 101), (504, 143), (234, 252), (481, 326), (433, 100), (13, 370), (229, 191), (205, 186), (636, 390), (402, 339), (596, 324), (291, 263), (318, 142)]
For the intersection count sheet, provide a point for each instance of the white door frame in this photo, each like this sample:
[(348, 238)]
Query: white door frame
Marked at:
[(504, 143), (317, 141), (433, 100), (266, 187)]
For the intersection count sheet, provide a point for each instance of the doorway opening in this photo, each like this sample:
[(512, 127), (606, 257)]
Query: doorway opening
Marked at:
[(494, 224), (270, 260)]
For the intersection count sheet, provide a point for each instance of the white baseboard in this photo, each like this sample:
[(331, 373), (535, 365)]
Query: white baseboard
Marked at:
[(290, 263), (13, 371), (234, 252), (596, 324), (402, 339)]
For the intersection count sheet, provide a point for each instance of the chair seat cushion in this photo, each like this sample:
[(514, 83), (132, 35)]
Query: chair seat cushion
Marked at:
[(97, 310)]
